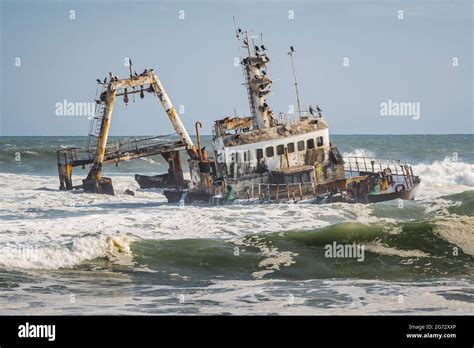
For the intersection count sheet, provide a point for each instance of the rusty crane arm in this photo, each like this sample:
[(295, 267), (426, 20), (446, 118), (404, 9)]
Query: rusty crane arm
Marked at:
[(174, 117), (94, 181)]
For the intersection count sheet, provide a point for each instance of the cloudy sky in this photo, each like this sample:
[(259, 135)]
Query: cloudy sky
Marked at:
[(351, 56)]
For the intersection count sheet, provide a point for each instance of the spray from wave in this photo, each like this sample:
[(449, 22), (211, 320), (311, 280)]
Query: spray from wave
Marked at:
[(359, 153), (28, 256), (446, 172)]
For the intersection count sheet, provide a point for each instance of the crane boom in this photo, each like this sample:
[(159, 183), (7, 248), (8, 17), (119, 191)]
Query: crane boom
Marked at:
[(94, 181), (173, 116)]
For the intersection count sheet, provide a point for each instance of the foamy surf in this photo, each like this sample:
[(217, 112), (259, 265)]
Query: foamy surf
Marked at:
[(444, 177), (55, 256), (140, 255)]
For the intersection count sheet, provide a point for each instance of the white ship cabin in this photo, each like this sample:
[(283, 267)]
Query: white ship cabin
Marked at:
[(241, 152)]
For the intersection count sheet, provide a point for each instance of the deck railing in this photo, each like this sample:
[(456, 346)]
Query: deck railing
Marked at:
[(285, 191), (355, 165), (120, 148)]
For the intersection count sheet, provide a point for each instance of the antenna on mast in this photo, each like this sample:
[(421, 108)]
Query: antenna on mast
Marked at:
[(236, 29), (292, 50), (245, 39), (130, 67)]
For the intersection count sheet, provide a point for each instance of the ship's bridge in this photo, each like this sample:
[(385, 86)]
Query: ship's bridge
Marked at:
[(290, 144)]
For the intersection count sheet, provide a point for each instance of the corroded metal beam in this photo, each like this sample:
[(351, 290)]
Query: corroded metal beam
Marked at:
[(174, 117), (103, 136), (134, 82)]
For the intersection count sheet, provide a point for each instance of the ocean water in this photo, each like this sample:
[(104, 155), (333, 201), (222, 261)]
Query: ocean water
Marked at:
[(76, 253)]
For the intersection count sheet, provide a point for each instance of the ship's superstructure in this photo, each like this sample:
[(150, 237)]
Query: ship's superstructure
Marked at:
[(264, 148)]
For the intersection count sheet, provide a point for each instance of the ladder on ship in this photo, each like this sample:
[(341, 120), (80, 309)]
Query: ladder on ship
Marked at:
[(249, 92), (96, 125)]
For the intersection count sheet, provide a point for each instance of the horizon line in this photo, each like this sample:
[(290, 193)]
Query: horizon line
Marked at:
[(206, 135)]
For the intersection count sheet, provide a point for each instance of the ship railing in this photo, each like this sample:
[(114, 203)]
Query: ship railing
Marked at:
[(117, 149), (293, 119), (74, 155), (400, 171), (130, 145), (284, 191)]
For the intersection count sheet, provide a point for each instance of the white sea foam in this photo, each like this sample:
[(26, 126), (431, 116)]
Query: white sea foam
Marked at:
[(383, 249), (55, 255), (148, 160), (273, 259), (35, 214), (444, 177), (358, 153), (356, 297), (458, 230)]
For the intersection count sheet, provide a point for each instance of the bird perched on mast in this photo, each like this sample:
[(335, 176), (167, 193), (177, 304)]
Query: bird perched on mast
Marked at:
[(319, 110)]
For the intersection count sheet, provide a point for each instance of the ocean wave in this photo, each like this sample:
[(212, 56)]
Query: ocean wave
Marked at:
[(445, 172), (381, 248), (80, 249), (50, 219), (273, 258), (148, 160), (458, 231), (359, 153)]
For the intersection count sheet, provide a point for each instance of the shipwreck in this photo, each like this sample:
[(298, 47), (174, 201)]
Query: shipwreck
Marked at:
[(263, 157)]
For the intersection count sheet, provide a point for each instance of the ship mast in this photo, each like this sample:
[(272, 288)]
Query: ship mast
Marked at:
[(257, 82), (292, 50)]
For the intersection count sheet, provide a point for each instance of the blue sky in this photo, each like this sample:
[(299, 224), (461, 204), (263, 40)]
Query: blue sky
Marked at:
[(403, 60)]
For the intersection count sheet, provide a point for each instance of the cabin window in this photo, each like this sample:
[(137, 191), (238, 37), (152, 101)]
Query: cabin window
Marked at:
[(301, 145), (319, 141), (250, 156), (269, 151), (291, 147), (310, 143), (246, 156), (259, 154), (235, 157), (280, 149)]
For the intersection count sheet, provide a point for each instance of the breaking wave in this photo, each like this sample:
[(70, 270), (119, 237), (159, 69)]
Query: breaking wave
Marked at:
[(446, 172), (359, 153), (80, 249)]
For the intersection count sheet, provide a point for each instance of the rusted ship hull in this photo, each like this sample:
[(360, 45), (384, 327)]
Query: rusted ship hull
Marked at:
[(162, 181), (284, 193), (405, 195)]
